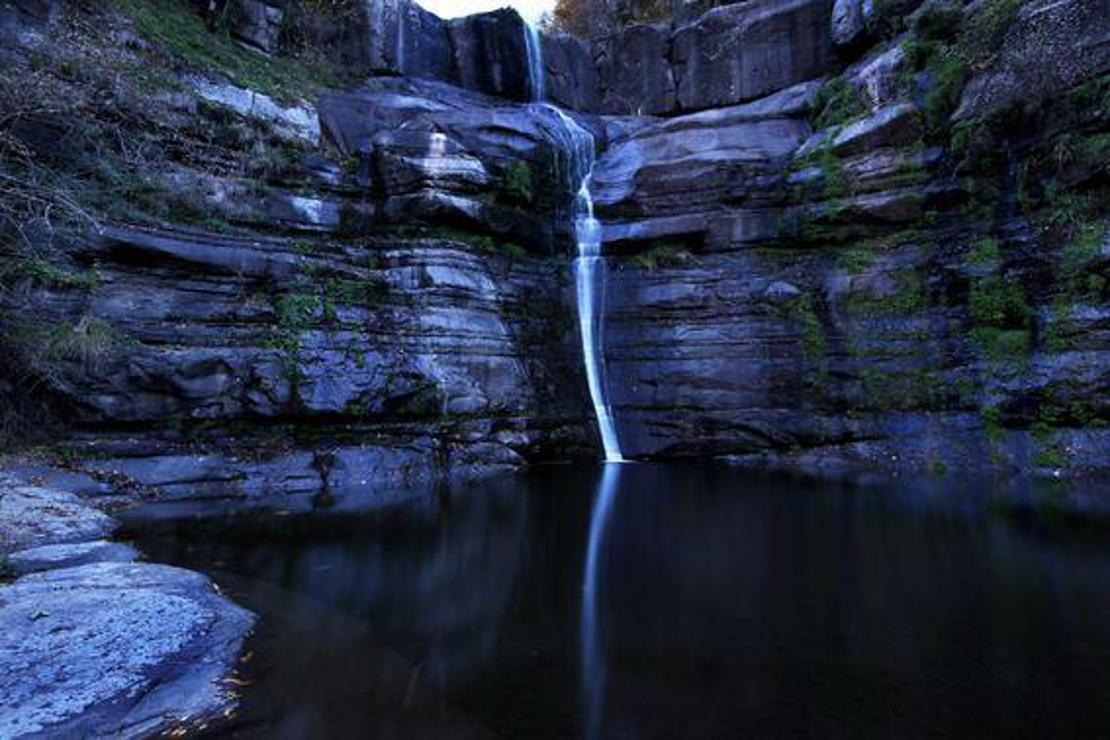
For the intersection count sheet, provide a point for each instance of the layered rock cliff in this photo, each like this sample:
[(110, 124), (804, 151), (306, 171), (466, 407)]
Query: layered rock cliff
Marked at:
[(840, 236)]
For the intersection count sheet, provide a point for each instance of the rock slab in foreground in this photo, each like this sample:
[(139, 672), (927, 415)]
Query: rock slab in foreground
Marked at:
[(114, 648)]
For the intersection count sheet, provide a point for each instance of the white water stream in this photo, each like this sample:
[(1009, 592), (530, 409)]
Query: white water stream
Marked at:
[(578, 146)]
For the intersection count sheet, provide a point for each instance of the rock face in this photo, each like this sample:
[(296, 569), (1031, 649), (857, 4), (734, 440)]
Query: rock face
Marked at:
[(804, 266), (634, 71), (747, 50), (1051, 46), (401, 38), (490, 54)]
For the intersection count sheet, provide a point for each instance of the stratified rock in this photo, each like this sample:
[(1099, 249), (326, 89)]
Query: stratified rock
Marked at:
[(411, 160), (32, 517), (52, 557), (894, 125), (1053, 45), (297, 123), (747, 50), (635, 76), (676, 177), (121, 649)]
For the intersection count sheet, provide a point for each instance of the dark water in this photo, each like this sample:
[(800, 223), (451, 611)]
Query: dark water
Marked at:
[(648, 601)]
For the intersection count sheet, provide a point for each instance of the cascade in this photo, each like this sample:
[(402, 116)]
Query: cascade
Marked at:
[(578, 147)]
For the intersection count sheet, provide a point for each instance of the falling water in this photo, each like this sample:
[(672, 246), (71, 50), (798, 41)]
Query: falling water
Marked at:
[(577, 145), (536, 75)]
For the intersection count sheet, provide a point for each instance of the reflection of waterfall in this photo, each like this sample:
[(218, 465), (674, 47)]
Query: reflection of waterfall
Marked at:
[(589, 268), (593, 663)]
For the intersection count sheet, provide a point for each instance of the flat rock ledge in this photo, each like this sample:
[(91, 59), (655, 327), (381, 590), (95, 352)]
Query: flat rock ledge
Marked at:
[(94, 644)]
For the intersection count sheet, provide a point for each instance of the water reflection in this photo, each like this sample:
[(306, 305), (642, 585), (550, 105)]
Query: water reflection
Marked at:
[(647, 601), (593, 664)]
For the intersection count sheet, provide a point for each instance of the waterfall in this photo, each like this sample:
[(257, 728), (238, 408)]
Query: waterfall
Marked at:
[(536, 76), (589, 268)]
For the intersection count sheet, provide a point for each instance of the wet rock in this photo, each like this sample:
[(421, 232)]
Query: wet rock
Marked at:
[(115, 649), (412, 160), (747, 50)]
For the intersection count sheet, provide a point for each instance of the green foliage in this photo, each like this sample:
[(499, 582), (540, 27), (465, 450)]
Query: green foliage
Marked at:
[(813, 334), (172, 25), (662, 255), (1000, 303), (837, 103), (984, 253), (992, 422), (43, 272), (1083, 249), (518, 182), (938, 21), (855, 261), (908, 298)]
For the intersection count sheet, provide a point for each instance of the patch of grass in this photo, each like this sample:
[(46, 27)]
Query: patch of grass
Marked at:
[(174, 26), (43, 272), (1083, 249)]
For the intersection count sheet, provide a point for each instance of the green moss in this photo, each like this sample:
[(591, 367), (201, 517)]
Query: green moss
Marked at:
[(175, 27), (997, 302), (813, 334), (984, 32), (663, 254), (908, 298), (837, 103), (992, 423), (518, 183), (855, 261), (42, 272), (1083, 249), (984, 253)]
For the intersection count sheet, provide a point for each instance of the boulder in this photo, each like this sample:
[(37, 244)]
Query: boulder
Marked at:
[(32, 517), (744, 51), (120, 649), (635, 76), (51, 557)]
